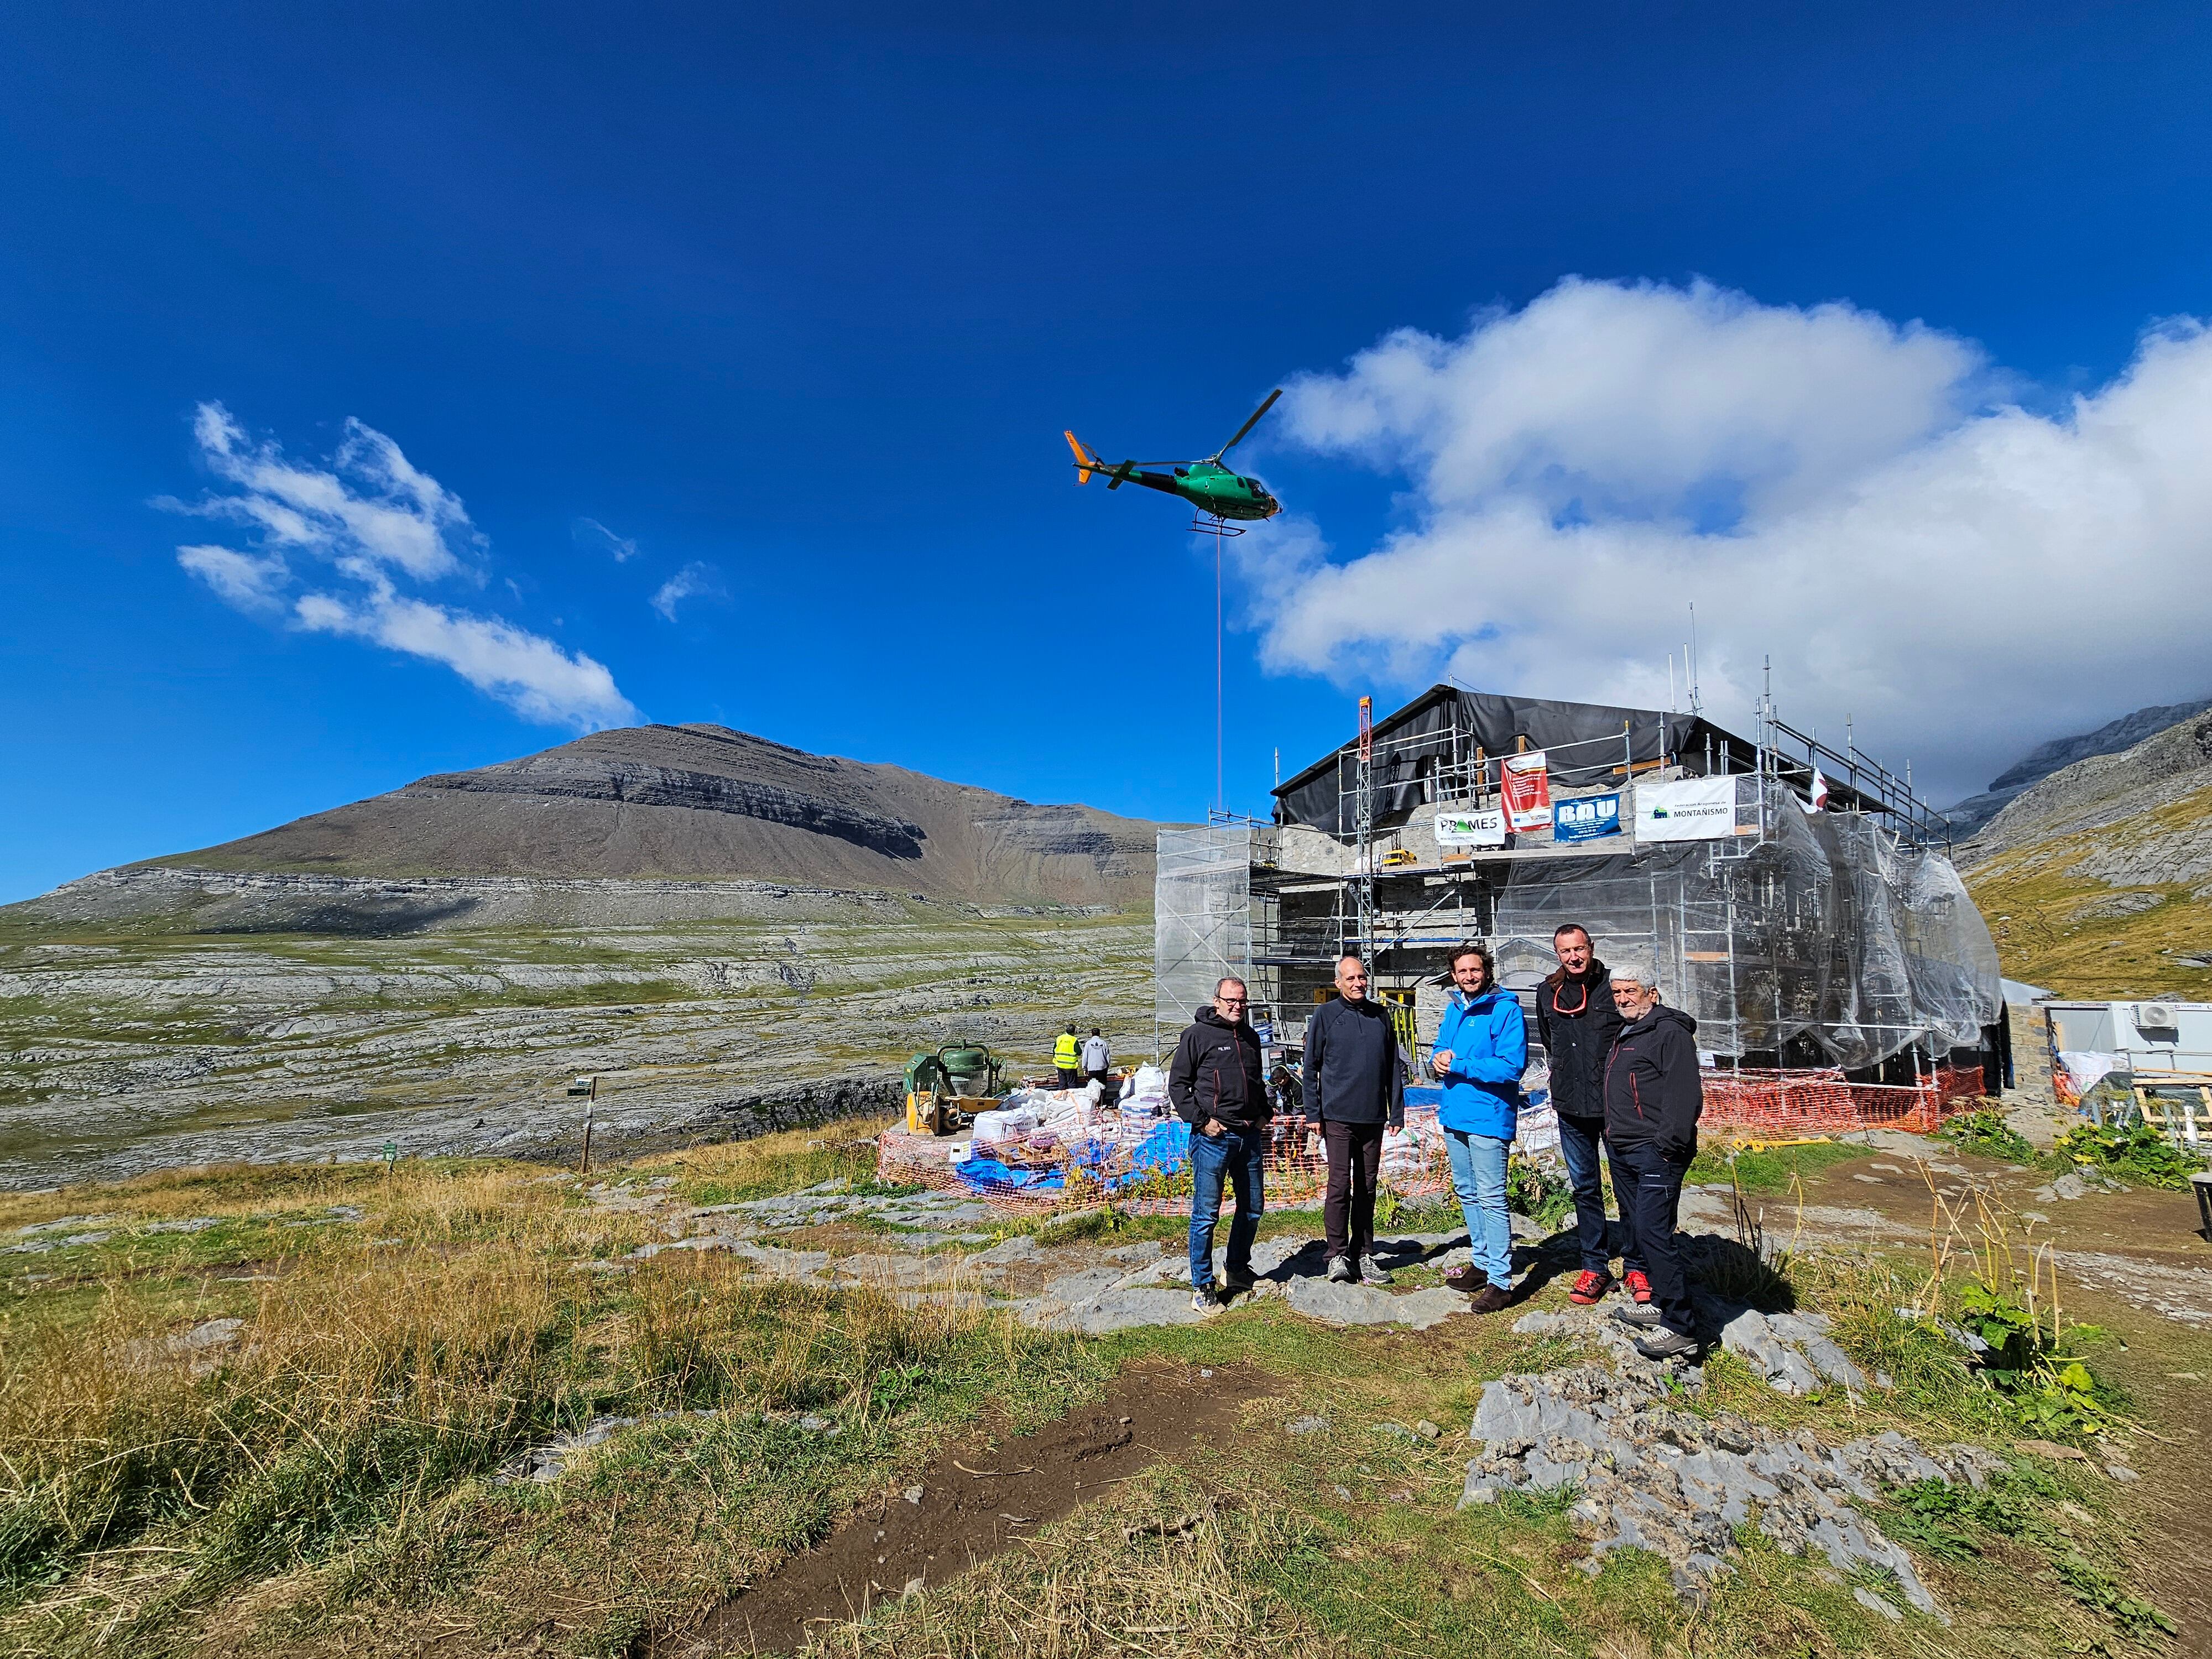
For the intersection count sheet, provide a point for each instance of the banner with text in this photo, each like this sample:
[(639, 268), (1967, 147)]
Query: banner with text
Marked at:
[(1689, 809), (1460, 829), (1587, 818), (1527, 785)]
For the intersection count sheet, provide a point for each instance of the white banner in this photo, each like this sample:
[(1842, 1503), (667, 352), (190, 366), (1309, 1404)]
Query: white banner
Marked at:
[(1691, 809), (1484, 828)]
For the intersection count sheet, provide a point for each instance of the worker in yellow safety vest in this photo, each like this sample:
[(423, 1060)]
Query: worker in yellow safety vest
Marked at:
[(1067, 1057)]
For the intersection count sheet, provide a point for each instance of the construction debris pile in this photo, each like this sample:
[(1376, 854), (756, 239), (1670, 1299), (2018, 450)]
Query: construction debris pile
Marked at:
[(1050, 1148)]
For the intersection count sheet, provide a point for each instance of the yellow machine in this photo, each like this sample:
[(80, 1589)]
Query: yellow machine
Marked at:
[(945, 1090)]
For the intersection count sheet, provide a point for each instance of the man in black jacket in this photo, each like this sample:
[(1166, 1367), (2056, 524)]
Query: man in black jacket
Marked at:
[(1215, 1083), (1653, 1097), (1355, 1083), (1577, 1022)]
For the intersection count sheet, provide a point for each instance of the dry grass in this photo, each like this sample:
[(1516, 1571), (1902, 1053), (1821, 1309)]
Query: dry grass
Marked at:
[(331, 1456)]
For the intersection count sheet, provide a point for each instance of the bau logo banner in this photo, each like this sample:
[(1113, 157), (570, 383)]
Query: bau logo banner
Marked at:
[(1586, 819)]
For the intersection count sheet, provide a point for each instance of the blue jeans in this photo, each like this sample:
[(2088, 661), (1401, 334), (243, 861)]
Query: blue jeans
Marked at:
[(1478, 1167), (1232, 1156), (1582, 1142)]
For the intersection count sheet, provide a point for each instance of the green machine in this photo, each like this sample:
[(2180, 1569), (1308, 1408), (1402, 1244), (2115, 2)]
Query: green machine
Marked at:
[(945, 1089), (1212, 488)]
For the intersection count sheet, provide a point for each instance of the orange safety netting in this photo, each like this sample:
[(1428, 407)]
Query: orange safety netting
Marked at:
[(1820, 1100)]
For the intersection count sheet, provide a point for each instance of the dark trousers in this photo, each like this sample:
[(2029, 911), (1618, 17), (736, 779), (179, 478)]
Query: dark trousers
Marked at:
[(1652, 1201), (1355, 1156), (1070, 1078), (1581, 1143)]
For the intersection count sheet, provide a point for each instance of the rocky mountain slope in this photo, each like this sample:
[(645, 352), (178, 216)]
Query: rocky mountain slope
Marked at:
[(2097, 879), (1969, 815), (725, 931), (704, 802)]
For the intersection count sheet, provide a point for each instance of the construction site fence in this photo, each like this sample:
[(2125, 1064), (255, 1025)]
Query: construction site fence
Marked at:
[(1787, 1104)]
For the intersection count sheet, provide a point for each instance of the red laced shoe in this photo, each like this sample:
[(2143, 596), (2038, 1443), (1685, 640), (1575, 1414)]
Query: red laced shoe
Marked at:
[(1639, 1286), (1590, 1290)]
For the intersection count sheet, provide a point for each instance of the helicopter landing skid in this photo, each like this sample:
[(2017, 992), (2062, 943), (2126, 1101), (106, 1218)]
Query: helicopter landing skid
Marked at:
[(1204, 524)]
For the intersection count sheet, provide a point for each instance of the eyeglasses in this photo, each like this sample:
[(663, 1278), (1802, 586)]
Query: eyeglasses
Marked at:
[(1231, 1002)]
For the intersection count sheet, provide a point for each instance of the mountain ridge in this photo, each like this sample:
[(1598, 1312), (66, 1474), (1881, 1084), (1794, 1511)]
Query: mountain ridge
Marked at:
[(701, 801)]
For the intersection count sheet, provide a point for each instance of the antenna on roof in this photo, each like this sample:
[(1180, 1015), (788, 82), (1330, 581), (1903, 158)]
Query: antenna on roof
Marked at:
[(1690, 662)]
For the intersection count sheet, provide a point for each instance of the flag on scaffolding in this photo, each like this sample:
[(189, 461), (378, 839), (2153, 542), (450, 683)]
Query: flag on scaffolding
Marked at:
[(1819, 792), (1527, 785)]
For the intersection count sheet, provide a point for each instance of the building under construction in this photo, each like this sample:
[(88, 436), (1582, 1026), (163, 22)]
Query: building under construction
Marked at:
[(1798, 898)]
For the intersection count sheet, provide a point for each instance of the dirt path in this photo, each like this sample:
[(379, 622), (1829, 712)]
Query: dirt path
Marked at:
[(972, 1504)]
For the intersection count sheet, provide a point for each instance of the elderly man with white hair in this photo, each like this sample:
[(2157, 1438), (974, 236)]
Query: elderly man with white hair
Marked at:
[(1653, 1098)]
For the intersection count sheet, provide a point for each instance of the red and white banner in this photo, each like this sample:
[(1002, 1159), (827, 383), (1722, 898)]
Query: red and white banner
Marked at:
[(1527, 785)]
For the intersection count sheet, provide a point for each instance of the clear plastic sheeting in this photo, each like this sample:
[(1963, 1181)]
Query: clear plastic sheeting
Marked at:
[(1203, 920), (1823, 939)]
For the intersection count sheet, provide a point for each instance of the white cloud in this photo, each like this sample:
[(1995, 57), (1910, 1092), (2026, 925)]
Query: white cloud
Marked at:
[(590, 532), (695, 582), (525, 670), (246, 582), (377, 521), (1962, 575)]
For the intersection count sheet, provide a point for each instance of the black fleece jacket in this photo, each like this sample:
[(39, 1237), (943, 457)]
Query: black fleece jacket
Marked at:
[(1653, 1095), (1353, 1073), (1578, 1036), (1215, 1073)]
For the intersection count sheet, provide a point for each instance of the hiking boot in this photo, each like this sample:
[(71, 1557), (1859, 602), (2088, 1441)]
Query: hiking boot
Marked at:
[(1489, 1299), (1642, 1315), (1339, 1270), (1466, 1279), (1205, 1300), (1639, 1286), (1664, 1343), (1372, 1272), (1240, 1283), (1590, 1290)]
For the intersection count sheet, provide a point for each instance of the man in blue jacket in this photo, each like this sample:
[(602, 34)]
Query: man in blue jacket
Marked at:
[(1482, 1049)]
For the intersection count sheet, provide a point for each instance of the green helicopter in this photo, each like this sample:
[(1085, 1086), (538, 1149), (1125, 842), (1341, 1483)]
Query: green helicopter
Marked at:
[(1207, 485)]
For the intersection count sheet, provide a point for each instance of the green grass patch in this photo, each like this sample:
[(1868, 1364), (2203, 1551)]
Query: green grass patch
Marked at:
[(1768, 1170)]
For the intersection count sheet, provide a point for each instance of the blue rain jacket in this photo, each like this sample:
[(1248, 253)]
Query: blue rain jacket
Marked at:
[(1488, 1039)]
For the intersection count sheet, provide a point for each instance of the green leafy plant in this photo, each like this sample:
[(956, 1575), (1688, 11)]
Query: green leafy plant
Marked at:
[(2133, 1152), (1534, 1191), (2096, 1589), (1987, 1132)]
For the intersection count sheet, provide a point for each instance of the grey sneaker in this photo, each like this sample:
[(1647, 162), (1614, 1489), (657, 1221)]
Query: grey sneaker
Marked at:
[(1641, 1315), (1205, 1300), (1666, 1345), (1339, 1270), (1373, 1273)]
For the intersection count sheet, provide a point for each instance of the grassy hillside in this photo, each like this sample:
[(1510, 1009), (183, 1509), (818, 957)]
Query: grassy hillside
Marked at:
[(2079, 935), (266, 1412)]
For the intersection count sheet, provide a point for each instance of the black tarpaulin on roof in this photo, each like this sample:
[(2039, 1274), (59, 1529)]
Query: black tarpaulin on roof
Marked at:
[(1587, 743)]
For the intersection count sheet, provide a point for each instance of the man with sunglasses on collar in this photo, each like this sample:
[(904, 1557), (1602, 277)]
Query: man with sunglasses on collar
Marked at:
[(1577, 1022)]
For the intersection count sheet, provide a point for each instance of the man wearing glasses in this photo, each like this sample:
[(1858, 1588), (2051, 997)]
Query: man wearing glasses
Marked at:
[(1215, 1083)]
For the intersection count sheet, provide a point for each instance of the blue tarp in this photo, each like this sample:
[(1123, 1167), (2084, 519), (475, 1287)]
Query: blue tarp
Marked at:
[(1163, 1151)]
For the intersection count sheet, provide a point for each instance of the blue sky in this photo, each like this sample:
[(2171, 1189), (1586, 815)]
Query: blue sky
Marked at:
[(796, 304)]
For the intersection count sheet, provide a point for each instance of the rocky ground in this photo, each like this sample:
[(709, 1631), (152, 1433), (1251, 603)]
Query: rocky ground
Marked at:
[(235, 1030)]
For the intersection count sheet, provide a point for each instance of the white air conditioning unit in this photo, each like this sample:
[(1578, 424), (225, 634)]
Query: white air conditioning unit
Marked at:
[(2158, 1021)]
